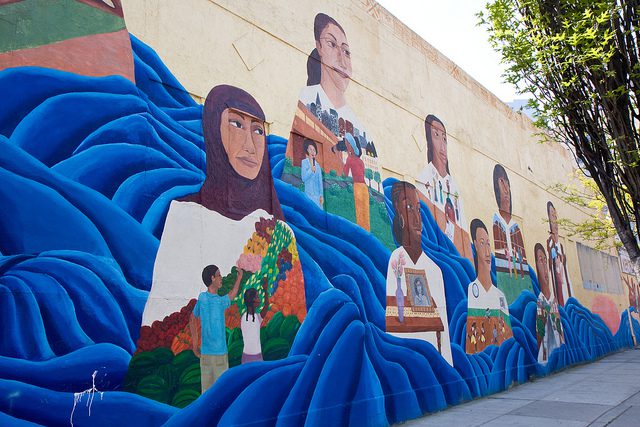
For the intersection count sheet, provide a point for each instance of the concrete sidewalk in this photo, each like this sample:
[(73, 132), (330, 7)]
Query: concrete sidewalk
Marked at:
[(603, 393)]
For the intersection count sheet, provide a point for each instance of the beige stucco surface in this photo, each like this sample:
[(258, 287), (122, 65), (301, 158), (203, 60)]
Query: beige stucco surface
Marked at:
[(397, 80)]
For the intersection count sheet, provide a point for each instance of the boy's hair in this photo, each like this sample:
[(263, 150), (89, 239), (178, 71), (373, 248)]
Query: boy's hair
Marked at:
[(207, 273)]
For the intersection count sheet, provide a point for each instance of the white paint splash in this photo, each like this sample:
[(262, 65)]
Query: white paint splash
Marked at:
[(90, 393)]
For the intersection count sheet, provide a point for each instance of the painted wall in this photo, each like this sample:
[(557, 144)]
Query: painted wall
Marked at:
[(391, 100), (260, 251)]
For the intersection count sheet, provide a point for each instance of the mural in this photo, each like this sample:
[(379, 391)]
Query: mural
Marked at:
[(557, 259), (234, 220), (631, 282), (416, 300), (601, 277), (548, 323), (488, 321), (329, 155), (511, 260), (439, 187), (159, 263), (86, 37)]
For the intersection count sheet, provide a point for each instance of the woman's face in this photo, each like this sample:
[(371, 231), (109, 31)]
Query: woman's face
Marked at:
[(311, 151), (243, 138), (483, 249), (439, 144), (335, 55)]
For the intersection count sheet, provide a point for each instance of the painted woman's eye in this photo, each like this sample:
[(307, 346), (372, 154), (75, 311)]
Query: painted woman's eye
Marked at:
[(235, 123), (258, 131)]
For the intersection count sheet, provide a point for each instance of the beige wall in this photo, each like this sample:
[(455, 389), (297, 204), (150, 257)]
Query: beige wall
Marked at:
[(398, 79)]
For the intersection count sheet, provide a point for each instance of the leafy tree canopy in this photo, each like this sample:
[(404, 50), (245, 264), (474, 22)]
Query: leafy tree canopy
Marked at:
[(580, 61)]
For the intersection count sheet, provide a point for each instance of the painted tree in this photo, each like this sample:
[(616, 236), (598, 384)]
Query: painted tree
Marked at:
[(377, 179), (368, 173), (580, 61)]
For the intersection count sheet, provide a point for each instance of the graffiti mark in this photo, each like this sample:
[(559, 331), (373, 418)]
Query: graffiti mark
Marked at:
[(90, 393)]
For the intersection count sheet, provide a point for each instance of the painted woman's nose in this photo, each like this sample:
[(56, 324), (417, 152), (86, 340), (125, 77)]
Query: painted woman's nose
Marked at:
[(248, 143)]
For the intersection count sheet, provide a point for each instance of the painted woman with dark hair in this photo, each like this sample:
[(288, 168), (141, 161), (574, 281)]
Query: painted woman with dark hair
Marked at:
[(311, 172), (548, 324), (435, 179), (485, 302), (508, 241), (408, 264), (557, 258), (329, 66), (234, 220), (440, 189), (324, 116)]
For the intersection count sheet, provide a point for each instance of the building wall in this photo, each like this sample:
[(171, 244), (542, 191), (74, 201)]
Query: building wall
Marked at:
[(398, 79), (127, 185)]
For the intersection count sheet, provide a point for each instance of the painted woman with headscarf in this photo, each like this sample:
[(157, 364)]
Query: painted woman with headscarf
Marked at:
[(234, 221)]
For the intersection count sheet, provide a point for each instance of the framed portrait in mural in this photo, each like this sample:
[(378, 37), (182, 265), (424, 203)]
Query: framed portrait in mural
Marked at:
[(418, 293)]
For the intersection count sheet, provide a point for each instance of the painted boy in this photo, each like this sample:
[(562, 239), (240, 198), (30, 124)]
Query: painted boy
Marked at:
[(209, 310)]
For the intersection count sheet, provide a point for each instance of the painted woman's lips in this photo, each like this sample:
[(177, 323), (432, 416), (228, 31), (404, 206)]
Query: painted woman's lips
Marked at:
[(342, 73), (443, 157), (249, 161)]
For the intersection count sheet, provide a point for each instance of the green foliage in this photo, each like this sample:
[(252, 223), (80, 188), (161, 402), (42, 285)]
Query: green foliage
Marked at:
[(273, 327), (540, 329), (598, 228), (276, 348), (235, 344), (184, 397), (579, 61), (338, 201), (230, 279), (277, 337), (368, 173), (289, 328), (511, 286), (154, 387), (190, 377), (160, 376), (184, 359), (380, 224), (280, 239)]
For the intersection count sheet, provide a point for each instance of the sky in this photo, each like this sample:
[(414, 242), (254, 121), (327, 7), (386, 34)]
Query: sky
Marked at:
[(451, 27)]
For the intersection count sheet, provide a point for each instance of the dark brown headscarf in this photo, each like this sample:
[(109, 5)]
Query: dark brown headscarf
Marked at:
[(224, 190)]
